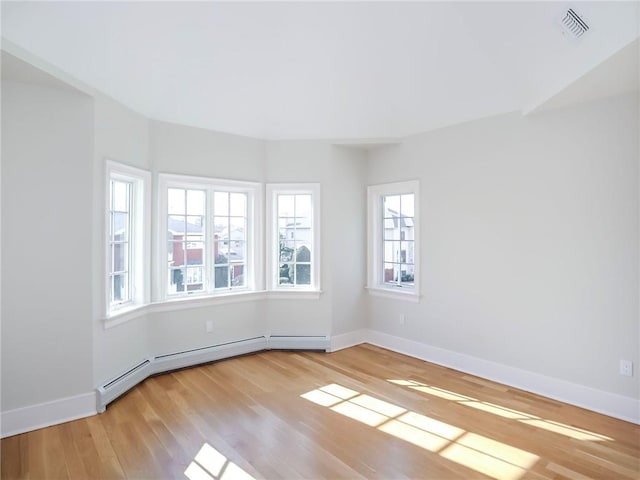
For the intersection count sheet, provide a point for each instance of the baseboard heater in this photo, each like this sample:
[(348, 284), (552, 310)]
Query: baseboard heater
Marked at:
[(124, 382), (282, 342)]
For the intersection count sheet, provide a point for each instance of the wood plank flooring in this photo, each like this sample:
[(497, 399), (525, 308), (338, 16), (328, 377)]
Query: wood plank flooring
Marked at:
[(363, 412)]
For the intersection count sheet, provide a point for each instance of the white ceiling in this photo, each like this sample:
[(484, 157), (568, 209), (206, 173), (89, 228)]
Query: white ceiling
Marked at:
[(360, 70)]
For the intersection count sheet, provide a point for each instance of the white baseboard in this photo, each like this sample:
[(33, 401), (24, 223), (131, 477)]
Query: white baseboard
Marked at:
[(63, 410), (346, 340), (42, 415), (614, 405)]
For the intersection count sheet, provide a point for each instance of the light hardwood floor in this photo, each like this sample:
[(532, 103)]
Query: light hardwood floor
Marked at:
[(363, 412)]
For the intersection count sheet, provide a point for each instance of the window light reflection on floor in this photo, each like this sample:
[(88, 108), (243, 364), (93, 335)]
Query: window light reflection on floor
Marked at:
[(549, 425), (482, 454), (209, 464)]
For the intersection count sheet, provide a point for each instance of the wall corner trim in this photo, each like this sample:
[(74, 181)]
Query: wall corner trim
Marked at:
[(25, 419)]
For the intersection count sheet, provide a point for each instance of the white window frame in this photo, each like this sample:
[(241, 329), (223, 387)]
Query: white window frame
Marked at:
[(253, 281), (313, 290), (140, 224), (375, 282)]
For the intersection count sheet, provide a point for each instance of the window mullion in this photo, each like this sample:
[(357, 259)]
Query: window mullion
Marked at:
[(208, 260)]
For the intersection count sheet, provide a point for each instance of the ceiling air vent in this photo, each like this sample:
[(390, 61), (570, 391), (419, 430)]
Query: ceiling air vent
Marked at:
[(573, 24)]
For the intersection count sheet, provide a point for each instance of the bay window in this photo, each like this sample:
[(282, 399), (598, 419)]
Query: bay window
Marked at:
[(212, 236)]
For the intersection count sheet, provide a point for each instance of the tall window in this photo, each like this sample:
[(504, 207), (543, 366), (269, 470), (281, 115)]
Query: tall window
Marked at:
[(393, 239), (127, 232), (120, 208), (294, 236), (398, 238), (212, 242)]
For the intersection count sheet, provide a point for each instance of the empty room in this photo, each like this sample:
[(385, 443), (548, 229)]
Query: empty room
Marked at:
[(280, 240)]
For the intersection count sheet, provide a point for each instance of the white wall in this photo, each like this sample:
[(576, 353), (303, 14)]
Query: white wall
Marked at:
[(347, 240), (529, 241), (121, 135), (192, 151), (47, 147)]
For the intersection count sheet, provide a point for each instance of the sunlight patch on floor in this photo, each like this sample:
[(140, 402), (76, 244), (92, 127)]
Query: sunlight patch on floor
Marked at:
[(209, 464), (549, 425), (361, 414), (474, 451)]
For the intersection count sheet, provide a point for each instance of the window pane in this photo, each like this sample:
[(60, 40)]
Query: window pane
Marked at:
[(120, 226), (237, 228), (221, 228), (194, 276), (120, 196), (177, 225), (303, 274), (176, 280), (120, 288), (237, 276), (407, 274), (391, 252), (391, 205), (238, 204), (195, 225), (390, 272), (391, 229), (407, 205), (221, 203), (303, 252), (237, 251), (120, 257), (286, 222), (287, 250), (286, 274), (195, 202), (176, 253), (195, 253), (408, 249), (221, 252), (176, 201), (303, 206), (286, 205), (221, 277)]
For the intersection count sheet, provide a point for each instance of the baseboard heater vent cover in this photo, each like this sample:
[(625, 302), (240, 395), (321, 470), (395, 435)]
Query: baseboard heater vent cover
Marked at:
[(124, 382), (188, 358), (282, 342)]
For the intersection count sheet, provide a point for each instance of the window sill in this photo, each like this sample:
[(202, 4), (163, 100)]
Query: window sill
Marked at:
[(294, 294), (394, 293), (124, 315), (199, 301)]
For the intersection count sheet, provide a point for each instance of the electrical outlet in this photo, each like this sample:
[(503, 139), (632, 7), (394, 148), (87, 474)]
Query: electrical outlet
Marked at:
[(209, 326), (401, 319), (626, 368)]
